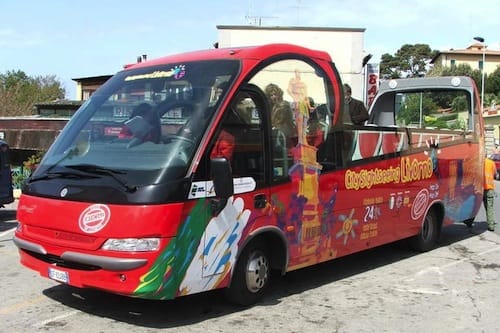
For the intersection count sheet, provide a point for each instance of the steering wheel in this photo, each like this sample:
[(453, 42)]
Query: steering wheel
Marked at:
[(173, 137), (183, 148), (184, 132)]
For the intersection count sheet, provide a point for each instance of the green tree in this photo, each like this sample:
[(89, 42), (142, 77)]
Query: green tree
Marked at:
[(414, 108), (389, 67), (408, 61), (459, 70), (492, 80), (492, 85), (20, 92)]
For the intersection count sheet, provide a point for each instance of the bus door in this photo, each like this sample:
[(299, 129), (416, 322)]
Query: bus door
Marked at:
[(297, 92), (240, 138)]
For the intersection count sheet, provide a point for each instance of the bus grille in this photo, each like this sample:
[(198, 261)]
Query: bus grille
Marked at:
[(60, 262)]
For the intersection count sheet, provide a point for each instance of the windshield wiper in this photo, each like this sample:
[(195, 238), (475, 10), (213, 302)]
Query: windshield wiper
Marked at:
[(98, 170), (60, 174)]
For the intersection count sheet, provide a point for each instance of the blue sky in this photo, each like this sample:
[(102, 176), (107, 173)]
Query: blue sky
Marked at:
[(72, 39)]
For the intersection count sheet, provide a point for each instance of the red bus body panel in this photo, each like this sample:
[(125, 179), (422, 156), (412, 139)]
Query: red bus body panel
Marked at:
[(54, 225)]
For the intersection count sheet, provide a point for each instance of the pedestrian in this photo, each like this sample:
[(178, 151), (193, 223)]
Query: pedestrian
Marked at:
[(357, 110), (489, 192)]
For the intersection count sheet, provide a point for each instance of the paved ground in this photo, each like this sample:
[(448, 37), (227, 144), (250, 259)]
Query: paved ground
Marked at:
[(453, 288)]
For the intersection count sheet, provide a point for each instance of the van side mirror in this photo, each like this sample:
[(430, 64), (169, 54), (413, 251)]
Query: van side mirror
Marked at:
[(223, 183)]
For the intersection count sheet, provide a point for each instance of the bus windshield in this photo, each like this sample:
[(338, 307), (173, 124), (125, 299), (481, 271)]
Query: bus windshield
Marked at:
[(143, 126)]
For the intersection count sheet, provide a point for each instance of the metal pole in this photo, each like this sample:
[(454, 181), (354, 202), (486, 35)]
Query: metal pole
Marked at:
[(483, 42), (482, 78)]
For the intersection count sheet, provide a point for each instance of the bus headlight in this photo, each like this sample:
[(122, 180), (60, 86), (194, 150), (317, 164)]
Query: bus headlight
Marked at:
[(132, 244)]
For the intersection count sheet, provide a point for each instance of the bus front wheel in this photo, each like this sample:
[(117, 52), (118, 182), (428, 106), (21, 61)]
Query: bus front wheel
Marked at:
[(251, 276), (428, 235)]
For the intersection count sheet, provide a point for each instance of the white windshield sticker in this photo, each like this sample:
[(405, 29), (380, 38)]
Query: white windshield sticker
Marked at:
[(205, 189)]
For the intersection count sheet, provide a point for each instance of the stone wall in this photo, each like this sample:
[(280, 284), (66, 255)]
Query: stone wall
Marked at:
[(26, 133)]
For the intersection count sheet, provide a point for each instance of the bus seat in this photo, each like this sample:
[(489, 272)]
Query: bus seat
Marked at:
[(367, 144), (392, 142), (385, 119)]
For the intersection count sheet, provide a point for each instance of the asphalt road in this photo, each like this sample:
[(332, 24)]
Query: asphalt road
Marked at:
[(453, 288)]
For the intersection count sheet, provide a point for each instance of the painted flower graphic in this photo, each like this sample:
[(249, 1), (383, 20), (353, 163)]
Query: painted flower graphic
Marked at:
[(217, 251), (347, 226), (179, 71), (433, 145)]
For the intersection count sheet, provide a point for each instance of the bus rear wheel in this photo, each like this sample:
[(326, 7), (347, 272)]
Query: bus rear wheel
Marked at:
[(428, 235), (251, 276)]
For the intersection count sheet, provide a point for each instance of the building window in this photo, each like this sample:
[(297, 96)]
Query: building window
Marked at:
[(86, 94), (452, 63), (480, 62)]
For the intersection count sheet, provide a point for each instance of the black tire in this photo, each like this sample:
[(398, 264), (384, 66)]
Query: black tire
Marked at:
[(428, 235), (251, 276)]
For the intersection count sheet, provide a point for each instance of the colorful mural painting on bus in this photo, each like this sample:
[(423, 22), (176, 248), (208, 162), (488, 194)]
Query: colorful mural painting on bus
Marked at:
[(207, 246)]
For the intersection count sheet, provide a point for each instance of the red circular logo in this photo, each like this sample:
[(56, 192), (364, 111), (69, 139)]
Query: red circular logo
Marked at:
[(420, 204), (94, 218)]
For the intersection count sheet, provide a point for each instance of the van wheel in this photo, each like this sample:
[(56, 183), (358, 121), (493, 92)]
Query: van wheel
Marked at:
[(251, 276), (428, 235)]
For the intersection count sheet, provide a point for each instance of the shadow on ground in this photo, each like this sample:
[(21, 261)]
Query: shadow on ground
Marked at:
[(198, 308), (7, 219)]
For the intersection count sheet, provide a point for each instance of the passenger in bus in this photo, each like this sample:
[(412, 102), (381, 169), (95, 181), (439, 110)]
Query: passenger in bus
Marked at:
[(315, 133), (357, 113), (281, 118), (146, 112), (236, 118), (284, 137), (281, 111), (224, 146), (274, 94)]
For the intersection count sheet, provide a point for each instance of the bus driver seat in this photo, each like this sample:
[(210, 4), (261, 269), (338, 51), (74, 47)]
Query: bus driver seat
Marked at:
[(144, 124)]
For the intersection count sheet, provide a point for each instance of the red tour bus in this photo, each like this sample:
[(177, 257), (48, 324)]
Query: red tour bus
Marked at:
[(214, 169)]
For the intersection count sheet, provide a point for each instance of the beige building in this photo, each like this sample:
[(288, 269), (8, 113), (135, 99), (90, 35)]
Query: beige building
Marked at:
[(345, 45), (473, 56), (86, 86)]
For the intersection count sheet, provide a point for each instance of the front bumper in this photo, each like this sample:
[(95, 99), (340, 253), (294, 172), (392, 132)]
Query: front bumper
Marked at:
[(112, 274), (105, 262)]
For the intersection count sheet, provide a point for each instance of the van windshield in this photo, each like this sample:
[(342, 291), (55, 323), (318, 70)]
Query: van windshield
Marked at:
[(143, 125)]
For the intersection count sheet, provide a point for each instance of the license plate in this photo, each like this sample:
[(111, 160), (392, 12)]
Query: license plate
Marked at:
[(58, 275)]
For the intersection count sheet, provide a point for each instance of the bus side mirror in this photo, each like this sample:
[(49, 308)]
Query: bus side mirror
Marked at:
[(223, 183)]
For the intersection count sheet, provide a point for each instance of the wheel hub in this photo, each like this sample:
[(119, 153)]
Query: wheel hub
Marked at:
[(257, 272)]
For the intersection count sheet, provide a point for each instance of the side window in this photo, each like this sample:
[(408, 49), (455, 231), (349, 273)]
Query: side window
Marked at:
[(241, 138), (437, 109), (298, 100)]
